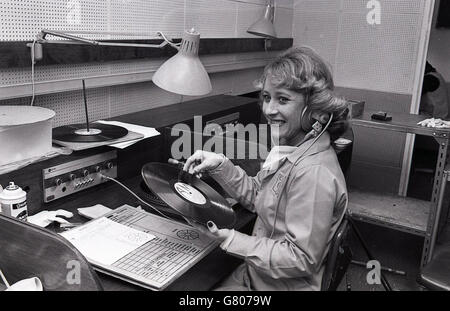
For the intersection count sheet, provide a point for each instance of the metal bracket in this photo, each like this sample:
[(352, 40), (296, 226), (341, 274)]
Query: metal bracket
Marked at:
[(443, 135)]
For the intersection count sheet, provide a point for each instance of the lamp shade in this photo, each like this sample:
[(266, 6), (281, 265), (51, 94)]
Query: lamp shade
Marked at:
[(264, 27), (184, 74)]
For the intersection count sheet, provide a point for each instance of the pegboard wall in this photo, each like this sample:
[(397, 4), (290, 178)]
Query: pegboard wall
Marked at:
[(379, 57), (22, 20)]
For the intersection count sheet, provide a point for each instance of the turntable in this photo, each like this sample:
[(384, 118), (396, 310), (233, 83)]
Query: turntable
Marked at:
[(90, 135)]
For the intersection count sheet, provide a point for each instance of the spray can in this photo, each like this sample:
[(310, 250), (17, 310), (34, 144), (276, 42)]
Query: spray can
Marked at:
[(13, 202)]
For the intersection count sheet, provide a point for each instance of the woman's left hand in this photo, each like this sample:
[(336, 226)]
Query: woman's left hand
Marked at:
[(212, 231)]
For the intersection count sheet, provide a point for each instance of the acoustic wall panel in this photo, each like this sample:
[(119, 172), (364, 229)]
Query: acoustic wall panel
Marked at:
[(319, 30), (14, 76), (169, 16), (244, 81), (135, 65), (22, 20), (283, 22), (135, 97), (317, 6), (378, 57), (134, 16), (287, 4), (372, 60), (391, 144), (247, 14), (397, 6), (201, 14), (69, 106)]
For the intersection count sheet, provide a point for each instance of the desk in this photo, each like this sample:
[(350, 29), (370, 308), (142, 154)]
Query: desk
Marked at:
[(402, 213), (203, 276)]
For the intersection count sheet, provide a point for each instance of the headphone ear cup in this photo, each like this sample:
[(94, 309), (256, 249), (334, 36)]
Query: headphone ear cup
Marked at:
[(307, 120)]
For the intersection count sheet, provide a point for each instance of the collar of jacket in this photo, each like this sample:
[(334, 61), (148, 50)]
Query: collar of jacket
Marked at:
[(320, 145)]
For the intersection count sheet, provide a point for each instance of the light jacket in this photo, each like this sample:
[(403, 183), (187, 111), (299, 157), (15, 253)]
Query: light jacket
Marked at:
[(299, 207)]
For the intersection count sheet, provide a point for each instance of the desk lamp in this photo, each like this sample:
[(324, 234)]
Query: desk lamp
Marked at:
[(183, 74), (264, 27)]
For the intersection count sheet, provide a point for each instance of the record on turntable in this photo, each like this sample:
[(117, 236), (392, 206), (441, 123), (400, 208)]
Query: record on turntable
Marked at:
[(78, 133), (192, 198)]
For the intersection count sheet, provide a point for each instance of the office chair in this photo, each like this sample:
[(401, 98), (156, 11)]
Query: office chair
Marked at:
[(339, 255), (30, 251), (345, 157), (338, 259)]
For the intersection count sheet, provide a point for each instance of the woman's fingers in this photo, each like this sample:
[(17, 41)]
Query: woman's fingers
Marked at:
[(212, 227), (200, 168), (192, 160)]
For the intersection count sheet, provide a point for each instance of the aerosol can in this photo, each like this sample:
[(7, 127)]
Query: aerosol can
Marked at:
[(13, 202)]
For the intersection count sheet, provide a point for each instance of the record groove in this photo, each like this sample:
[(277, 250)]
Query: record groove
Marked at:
[(68, 133), (195, 200)]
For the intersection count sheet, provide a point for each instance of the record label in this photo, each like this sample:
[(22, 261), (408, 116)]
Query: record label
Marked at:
[(190, 193)]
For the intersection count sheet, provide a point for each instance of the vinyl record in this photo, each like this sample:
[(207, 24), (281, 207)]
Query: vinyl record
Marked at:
[(97, 133), (193, 198)]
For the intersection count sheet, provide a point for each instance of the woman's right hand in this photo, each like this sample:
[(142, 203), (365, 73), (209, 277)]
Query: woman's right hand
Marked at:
[(202, 161)]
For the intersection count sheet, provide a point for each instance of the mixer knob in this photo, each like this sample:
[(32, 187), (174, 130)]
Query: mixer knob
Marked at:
[(72, 177), (98, 168), (109, 165), (58, 182), (85, 173)]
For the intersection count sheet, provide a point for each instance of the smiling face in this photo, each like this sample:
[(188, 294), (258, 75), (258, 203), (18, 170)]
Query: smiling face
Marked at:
[(283, 110)]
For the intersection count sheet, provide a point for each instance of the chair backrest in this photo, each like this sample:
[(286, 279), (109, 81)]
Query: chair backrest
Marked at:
[(338, 259), (344, 155), (29, 251)]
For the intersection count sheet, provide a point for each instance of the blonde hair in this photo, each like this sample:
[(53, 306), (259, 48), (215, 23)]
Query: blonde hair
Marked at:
[(302, 70)]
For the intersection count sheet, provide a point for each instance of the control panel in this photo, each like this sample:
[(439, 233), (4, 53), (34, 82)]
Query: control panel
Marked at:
[(71, 177)]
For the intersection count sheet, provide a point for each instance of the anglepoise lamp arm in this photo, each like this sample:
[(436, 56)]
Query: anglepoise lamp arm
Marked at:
[(72, 39), (182, 74)]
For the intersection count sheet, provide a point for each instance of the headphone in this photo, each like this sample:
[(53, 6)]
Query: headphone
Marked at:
[(313, 121)]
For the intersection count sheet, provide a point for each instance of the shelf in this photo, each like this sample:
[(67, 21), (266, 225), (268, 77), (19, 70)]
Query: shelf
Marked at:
[(396, 212), (17, 54)]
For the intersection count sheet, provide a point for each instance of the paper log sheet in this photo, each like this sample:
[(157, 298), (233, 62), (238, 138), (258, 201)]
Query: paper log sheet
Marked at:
[(106, 241)]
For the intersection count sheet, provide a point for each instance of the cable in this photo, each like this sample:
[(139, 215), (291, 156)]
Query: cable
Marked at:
[(33, 62), (136, 196), (304, 140), (175, 45)]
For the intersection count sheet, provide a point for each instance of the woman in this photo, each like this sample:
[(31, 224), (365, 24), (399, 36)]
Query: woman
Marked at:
[(300, 195)]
